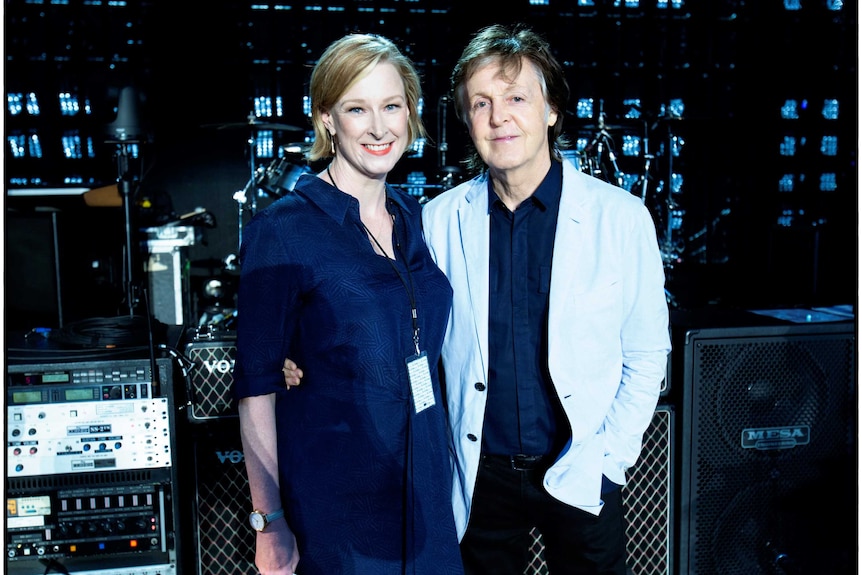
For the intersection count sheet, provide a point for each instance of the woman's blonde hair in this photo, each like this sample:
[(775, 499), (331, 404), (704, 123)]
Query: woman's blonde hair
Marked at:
[(347, 61)]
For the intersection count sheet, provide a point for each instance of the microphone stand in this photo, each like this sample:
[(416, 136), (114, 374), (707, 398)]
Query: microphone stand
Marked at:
[(124, 186)]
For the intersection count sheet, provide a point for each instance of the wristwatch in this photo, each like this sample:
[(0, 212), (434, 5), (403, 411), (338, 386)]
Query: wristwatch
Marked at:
[(259, 520)]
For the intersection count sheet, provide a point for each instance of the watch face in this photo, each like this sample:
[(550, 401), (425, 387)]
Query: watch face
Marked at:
[(257, 520)]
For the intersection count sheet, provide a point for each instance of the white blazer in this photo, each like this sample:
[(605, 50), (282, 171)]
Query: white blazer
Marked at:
[(608, 329)]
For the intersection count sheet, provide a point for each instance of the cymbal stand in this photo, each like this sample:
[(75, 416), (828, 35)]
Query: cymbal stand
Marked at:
[(248, 194), (443, 146), (597, 148), (241, 197), (448, 176), (648, 158), (671, 249)]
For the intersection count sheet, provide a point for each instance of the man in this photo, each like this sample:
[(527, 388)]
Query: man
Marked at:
[(558, 338)]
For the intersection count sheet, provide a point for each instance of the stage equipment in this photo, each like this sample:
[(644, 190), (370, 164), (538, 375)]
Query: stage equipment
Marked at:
[(224, 541), (282, 173), (647, 501), (670, 213), (253, 123), (126, 132), (167, 272), (449, 176), (248, 193), (600, 158), (90, 480), (767, 445), (212, 353)]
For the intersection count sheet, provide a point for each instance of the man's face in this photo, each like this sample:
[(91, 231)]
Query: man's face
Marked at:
[(508, 118)]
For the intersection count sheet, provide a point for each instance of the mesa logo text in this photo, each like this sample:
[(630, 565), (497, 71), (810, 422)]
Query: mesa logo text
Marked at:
[(765, 438)]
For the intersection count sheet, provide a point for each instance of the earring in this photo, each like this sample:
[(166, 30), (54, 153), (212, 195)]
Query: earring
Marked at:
[(332, 144)]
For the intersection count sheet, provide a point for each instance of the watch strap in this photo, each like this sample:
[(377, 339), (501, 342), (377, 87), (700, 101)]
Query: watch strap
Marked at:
[(277, 514)]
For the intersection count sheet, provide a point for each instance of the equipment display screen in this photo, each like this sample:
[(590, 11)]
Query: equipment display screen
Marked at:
[(55, 377), (78, 394), (26, 396)]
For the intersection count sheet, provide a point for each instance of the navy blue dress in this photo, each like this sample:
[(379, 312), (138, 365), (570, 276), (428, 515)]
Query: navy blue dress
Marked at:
[(365, 479)]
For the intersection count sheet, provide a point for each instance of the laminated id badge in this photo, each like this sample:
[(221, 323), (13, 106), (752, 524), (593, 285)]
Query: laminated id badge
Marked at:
[(420, 381)]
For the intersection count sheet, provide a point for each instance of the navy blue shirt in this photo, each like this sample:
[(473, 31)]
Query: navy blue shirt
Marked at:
[(523, 414)]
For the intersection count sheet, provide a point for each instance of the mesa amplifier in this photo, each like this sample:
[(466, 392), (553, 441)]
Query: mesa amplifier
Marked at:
[(768, 441), (212, 354)]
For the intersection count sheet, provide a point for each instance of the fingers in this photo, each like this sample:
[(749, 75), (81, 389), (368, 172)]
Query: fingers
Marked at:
[(292, 373)]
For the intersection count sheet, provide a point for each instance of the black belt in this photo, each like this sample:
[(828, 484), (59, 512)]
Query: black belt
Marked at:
[(520, 462)]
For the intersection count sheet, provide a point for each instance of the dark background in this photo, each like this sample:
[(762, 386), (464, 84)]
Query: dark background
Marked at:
[(731, 236)]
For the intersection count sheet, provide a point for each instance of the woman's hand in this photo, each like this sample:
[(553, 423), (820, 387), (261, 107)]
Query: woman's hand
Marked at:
[(276, 552), (292, 374)]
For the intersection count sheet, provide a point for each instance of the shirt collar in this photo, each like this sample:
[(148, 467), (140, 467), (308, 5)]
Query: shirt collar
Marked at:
[(546, 195), (336, 203)]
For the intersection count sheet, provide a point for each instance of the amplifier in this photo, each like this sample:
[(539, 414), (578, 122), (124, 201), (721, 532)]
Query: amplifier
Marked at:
[(212, 354), (225, 544)]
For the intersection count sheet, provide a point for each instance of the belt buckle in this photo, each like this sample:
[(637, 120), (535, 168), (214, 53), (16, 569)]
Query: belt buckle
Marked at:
[(523, 462)]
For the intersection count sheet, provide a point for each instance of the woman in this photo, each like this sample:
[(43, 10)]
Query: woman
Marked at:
[(336, 276)]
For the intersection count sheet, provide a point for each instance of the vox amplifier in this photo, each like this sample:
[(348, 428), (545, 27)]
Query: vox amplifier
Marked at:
[(212, 354)]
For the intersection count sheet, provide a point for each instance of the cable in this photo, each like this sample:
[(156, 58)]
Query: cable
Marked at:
[(105, 333), (185, 364)]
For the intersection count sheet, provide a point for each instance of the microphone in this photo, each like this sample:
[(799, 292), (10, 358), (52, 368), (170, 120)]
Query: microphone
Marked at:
[(128, 124)]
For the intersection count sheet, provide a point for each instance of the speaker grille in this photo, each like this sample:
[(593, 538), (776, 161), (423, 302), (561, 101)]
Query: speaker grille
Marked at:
[(767, 440), (211, 380), (646, 498), (225, 541)]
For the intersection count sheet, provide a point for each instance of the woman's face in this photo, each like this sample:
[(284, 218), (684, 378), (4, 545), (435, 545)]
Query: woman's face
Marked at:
[(369, 122)]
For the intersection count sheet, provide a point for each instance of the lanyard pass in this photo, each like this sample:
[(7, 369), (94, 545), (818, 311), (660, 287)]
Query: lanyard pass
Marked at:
[(420, 381)]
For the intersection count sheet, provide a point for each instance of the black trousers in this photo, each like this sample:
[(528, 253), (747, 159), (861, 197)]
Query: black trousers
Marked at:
[(509, 502)]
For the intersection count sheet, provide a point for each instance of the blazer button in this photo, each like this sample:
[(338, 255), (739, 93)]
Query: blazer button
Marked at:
[(479, 386), (471, 437)]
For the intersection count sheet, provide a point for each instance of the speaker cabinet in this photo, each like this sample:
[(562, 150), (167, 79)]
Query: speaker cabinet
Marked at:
[(647, 499), (647, 502), (768, 450), (224, 541), (211, 378)]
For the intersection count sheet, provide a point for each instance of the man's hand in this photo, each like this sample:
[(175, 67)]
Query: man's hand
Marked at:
[(292, 374)]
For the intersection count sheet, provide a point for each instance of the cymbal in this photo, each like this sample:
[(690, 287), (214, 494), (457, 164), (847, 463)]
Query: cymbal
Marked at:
[(295, 148), (602, 127), (254, 124)]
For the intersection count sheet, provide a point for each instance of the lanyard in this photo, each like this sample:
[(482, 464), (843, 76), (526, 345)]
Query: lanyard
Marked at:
[(409, 289)]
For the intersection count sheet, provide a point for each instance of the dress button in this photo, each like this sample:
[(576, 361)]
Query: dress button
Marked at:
[(479, 386), (471, 437)]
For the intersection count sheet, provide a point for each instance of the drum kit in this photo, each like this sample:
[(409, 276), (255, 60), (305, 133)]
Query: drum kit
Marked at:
[(273, 180), (660, 192)]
